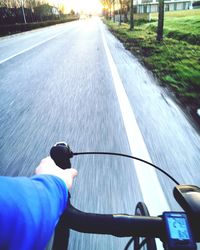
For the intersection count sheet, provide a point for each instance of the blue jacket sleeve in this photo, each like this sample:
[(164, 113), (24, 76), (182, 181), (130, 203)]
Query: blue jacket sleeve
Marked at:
[(29, 210)]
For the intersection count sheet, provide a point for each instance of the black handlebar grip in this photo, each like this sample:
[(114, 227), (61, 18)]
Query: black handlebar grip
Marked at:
[(61, 154)]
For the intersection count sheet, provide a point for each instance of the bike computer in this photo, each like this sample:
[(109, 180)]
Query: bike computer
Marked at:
[(179, 235)]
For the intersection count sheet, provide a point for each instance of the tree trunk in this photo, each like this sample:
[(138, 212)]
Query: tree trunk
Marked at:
[(120, 13), (125, 16), (160, 21), (113, 10), (131, 17), (23, 13)]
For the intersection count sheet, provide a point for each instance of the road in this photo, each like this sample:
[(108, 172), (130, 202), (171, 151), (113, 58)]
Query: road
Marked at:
[(76, 82)]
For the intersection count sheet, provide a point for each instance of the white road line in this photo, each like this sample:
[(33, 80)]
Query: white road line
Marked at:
[(151, 189), (25, 50)]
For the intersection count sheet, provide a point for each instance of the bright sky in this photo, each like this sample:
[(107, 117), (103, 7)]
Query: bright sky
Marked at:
[(88, 6)]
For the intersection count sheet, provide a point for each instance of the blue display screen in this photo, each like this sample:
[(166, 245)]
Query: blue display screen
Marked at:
[(178, 228)]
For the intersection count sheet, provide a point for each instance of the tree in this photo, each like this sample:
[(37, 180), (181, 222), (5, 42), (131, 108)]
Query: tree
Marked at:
[(131, 16), (23, 12), (9, 3), (107, 7), (160, 20), (120, 12), (124, 6), (44, 10), (72, 13), (2, 4), (126, 9), (113, 2)]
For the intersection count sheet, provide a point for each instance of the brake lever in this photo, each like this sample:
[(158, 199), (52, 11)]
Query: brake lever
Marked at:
[(61, 154)]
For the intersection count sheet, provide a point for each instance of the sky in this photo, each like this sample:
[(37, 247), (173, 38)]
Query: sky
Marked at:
[(81, 5)]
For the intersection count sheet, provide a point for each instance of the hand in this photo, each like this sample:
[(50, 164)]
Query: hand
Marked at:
[(48, 166)]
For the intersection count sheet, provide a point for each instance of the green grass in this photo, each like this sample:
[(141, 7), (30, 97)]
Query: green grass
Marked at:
[(182, 25), (176, 60)]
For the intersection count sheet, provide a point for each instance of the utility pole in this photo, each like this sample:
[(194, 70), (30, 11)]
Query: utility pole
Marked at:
[(22, 2)]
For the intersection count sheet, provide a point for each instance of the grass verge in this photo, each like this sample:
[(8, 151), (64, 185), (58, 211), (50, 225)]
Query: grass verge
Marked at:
[(176, 60)]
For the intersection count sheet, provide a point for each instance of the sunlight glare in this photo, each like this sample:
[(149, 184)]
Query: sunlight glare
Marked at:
[(87, 6)]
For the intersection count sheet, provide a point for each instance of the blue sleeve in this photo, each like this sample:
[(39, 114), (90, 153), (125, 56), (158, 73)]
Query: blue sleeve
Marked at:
[(29, 210)]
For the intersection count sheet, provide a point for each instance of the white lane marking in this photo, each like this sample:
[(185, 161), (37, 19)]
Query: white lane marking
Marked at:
[(32, 47), (151, 189)]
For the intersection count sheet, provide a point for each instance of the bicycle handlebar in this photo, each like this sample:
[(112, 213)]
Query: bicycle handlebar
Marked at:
[(120, 225), (124, 225)]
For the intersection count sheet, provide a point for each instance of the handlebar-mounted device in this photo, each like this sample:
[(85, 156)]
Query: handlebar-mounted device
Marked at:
[(178, 232), (188, 197)]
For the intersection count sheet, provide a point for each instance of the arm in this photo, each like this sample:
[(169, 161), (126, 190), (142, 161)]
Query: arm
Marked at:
[(31, 207)]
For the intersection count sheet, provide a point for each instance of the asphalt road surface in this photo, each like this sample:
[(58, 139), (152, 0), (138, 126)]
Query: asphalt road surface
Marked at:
[(75, 82)]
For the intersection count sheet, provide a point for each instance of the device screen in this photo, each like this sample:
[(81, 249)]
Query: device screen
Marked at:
[(178, 227)]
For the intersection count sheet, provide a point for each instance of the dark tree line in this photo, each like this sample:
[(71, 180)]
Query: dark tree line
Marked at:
[(19, 11), (15, 15)]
